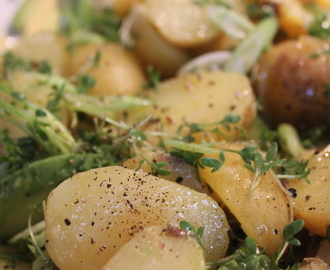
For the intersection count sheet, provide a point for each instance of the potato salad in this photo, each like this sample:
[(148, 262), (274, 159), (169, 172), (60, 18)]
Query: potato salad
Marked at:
[(165, 134)]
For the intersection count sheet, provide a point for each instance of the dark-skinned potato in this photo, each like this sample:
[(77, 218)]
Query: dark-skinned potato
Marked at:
[(291, 82)]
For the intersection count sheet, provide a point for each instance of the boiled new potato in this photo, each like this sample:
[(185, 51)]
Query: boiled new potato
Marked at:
[(35, 16), (262, 216), (182, 23), (90, 216), (45, 46), (116, 70), (151, 47), (206, 97), (159, 248), (312, 203), (292, 82)]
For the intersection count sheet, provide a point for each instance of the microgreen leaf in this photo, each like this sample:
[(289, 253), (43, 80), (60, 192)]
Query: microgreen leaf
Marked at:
[(293, 228), (213, 163), (251, 245), (153, 78), (271, 153), (185, 225)]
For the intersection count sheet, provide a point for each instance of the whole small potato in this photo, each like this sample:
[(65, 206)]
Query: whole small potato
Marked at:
[(292, 81), (90, 216), (116, 70)]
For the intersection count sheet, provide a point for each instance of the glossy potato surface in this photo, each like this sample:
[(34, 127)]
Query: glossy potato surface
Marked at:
[(312, 203), (159, 248), (205, 98), (90, 216), (291, 81), (152, 48), (262, 216), (182, 23)]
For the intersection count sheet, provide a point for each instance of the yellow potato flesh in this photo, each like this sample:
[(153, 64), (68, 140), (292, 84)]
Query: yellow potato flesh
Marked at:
[(206, 97), (159, 248), (264, 215), (152, 48), (90, 216), (115, 69), (181, 22), (44, 46), (39, 16), (312, 203)]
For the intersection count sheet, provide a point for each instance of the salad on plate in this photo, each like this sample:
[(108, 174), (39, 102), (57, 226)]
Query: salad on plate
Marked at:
[(165, 134)]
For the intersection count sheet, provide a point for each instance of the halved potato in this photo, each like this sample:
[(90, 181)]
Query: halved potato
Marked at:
[(159, 248), (262, 216), (90, 216), (151, 47), (205, 97), (181, 22), (312, 203)]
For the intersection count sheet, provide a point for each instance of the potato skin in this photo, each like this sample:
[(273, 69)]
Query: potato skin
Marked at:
[(291, 84), (312, 203), (90, 216)]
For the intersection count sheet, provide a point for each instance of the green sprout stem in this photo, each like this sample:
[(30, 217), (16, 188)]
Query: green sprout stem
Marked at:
[(37, 122), (247, 53), (231, 22), (97, 106)]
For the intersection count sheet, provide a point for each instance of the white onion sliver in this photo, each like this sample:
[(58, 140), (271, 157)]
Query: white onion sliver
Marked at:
[(212, 61)]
